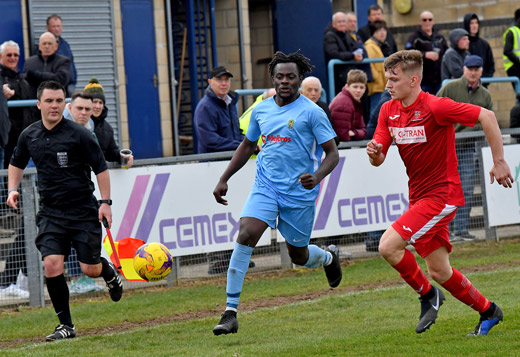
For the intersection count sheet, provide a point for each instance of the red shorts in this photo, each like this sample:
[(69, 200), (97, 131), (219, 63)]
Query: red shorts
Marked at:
[(425, 225)]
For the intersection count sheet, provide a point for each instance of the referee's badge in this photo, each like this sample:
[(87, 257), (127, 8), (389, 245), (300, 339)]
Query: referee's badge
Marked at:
[(63, 159), (291, 124)]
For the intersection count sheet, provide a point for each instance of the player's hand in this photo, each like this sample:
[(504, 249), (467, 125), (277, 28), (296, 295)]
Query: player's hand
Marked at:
[(219, 191), (308, 181), (258, 149), (500, 171), (105, 211), (374, 149), (12, 199)]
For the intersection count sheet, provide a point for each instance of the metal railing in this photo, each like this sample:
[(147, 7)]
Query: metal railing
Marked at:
[(334, 62)]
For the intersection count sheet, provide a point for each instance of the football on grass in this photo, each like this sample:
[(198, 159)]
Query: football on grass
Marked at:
[(153, 261)]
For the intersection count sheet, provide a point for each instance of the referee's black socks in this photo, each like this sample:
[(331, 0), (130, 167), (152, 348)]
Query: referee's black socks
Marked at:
[(106, 272), (59, 294)]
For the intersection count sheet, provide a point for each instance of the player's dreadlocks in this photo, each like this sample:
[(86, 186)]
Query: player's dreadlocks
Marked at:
[(300, 60)]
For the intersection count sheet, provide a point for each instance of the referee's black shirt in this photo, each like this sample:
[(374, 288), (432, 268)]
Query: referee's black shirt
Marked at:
[(63, 157)]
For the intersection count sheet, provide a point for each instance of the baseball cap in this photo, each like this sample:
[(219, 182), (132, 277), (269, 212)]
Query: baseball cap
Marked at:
[(218, 71), (473, 61)]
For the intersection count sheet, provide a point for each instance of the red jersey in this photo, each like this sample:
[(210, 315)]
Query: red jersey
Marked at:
[(425, 136)]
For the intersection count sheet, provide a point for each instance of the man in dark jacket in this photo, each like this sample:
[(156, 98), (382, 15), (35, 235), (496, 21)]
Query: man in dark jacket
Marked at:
[(453, 59), (216, 116), (337, 44), (432, 45), (55, 27), (375, 13), (14, 88), (47, 65), (477, 45)]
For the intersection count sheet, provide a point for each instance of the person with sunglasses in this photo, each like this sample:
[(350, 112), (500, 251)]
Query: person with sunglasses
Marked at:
[(14, 88), (432, 45)]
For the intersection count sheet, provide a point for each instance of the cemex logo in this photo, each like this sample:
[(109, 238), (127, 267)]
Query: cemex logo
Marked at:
[(182, 232)]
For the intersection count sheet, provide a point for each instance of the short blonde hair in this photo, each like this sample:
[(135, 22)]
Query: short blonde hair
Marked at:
[(410, 61)]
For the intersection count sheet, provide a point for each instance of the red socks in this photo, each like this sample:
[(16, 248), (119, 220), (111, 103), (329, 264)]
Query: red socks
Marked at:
[(412, 273), (461, 288)]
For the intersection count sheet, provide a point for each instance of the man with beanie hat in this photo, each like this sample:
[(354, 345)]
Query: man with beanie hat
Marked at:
[(453, 59), (478, 46), (102, 129), (512, 48)]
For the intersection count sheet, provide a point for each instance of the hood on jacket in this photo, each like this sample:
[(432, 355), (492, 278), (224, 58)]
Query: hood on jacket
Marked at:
[(455, 36), (467, 19)]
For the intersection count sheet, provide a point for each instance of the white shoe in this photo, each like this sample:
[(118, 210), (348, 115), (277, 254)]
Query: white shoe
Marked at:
[(14, 291)]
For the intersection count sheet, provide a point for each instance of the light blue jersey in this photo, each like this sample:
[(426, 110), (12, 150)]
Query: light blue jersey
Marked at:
[(292, 137)]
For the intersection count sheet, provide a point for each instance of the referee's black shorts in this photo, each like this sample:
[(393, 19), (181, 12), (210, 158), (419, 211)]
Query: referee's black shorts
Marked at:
[(61, 227)]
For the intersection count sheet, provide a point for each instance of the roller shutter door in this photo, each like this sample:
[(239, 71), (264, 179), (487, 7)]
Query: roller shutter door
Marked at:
[(88, 28)]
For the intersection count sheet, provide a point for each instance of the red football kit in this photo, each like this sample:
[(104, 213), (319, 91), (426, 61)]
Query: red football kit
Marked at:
[(425, 136)]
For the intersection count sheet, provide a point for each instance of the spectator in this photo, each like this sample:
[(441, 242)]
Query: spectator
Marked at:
[(337, 45), (311, 88), (102, 129), (216, 115), (377, 47), (467, 89), (14, 88), (46, 65), (54, 26), (432, 45), (514, 117), (511, 54), (375, 13), (351, 30), (346, 109), (453, 59), (246, 116), (478, 46), (218, 129)]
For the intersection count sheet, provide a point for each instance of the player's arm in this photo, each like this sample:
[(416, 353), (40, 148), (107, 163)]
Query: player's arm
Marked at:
[(239, 159), (15, 175), (103, 180), (330, 161), (375, 153), (500, 170)]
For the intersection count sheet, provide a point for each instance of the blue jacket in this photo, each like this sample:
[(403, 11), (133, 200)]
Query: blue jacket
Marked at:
[(217, 124), (64, 50)]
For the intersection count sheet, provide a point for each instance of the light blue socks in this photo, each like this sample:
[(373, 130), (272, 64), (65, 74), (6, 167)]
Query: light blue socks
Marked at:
[(317, 257), (238, 266)]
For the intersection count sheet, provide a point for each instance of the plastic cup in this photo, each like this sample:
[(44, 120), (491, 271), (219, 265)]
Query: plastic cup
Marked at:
[(124, 158)]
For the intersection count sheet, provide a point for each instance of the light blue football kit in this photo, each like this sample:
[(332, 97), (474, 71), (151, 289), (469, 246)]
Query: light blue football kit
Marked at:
[(292, 136)]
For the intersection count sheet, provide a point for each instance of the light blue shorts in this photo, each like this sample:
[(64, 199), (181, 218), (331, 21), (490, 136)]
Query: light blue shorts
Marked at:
[(295, 220)]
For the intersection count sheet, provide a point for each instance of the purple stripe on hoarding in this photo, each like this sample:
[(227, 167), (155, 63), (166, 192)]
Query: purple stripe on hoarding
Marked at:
[(152, 206), (133, 206), (330, 193)]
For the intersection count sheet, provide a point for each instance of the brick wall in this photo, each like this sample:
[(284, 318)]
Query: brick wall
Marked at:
[(495, 17)]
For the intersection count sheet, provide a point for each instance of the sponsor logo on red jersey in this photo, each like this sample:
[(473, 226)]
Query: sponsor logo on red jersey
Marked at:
[(408, 135)]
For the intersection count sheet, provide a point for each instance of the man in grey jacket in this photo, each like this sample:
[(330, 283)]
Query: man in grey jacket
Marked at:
[(453, 59)]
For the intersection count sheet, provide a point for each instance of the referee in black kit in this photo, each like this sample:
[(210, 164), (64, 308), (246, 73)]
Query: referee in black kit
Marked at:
[(64, 153)]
